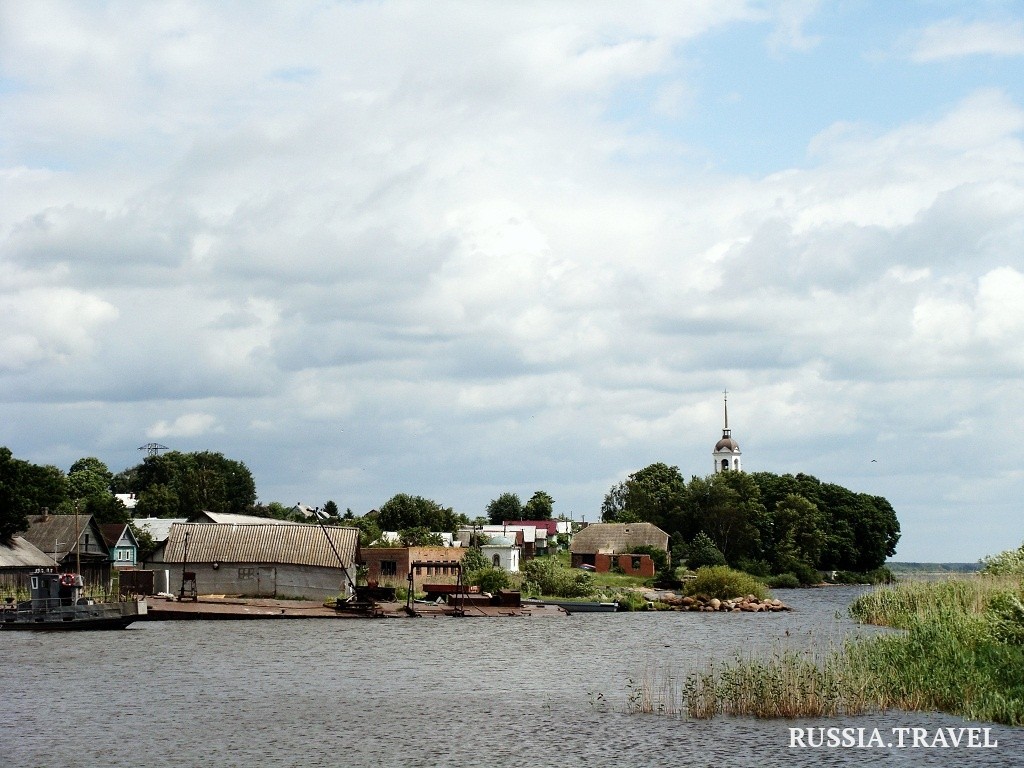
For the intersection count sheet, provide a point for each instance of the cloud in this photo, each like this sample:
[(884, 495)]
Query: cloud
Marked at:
[(184, 426), (371, 248), (955, 39)]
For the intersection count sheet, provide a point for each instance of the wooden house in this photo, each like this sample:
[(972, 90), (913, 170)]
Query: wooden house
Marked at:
[(75, 542)]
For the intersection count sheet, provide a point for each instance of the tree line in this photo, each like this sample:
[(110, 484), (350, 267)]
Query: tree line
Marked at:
[(760, 522), (183, 485)]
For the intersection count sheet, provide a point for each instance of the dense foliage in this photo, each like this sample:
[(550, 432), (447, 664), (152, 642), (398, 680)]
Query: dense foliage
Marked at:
[(176, 484), (760, 522), (403, 511), (25, 488), (506, 507), (550, 577)]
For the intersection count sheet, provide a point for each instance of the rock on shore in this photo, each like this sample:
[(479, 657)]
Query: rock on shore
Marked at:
[(743, 604)]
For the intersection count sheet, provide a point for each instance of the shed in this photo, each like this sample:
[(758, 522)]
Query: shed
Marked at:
[(18, 560), (268, 559)]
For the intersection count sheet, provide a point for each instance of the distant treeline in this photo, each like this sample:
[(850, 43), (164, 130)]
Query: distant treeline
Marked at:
[(898, 567)]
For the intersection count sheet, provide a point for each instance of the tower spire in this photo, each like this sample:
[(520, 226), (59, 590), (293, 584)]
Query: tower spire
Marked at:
[(727, 451), (725, 400)]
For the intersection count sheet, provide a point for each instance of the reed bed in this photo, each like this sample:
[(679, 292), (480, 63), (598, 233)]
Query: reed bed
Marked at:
[(962, 652)]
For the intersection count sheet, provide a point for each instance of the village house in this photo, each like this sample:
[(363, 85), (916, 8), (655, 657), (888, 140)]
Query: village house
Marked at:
[(604, 546), (74, 542), (18, 560), (390, 566), (264, 559), (122, 545)]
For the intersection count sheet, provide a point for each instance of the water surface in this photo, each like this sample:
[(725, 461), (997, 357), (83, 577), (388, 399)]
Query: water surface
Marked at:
[(421, 692)]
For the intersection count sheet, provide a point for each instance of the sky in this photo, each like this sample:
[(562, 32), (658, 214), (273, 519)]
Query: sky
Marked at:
[(454, 249)]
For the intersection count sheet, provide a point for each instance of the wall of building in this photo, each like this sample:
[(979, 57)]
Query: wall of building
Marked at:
[(389, 566), (258, 580), (631, 565)]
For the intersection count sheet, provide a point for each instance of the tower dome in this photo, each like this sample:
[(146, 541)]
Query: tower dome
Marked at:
[(727, 451)]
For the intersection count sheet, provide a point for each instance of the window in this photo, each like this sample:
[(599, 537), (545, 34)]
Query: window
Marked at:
[(246, 573), (388, 567), (496, 560)]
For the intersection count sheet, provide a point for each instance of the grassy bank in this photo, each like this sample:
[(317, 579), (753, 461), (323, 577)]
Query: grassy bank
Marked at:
[(961, 651)]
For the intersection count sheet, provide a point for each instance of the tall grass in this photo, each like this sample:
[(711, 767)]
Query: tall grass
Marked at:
[(961, 651)]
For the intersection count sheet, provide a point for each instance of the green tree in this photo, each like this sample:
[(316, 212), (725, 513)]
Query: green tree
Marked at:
[(799, 535), (158, 500), (702, 552), (655, 494), (506, 507), (539, 507), (331, 509), (147, 546), (474, 559), (420, 537), (613, 508), (404, 511), (25, 488), (203, 481)]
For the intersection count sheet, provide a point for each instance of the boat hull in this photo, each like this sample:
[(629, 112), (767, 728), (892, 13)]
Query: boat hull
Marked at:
[(75, 617)]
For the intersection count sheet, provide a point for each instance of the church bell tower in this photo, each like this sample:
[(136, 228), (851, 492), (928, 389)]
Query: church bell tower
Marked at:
[(727, 451)]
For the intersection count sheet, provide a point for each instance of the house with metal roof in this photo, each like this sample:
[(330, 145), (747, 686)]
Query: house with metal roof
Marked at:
[(606, 545), (265, 559), (18, 560)]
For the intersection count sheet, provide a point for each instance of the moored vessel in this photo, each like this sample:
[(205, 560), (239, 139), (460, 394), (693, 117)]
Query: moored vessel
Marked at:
[(56, 603)]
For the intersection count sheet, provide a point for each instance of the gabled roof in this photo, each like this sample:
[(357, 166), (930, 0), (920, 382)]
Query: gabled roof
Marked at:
[(287, 543), (114, 532), (45, 531), (618, 538), (22, 554)]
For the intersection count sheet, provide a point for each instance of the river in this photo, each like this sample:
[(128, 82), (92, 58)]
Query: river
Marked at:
[(474, 692)]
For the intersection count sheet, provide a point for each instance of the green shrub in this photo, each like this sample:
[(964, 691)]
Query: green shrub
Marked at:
[(1004, 617), (631, 601), (490, 579), (1010, 562), (805, 574), (724, 583), (783, 581), (556, 580), (659, 556)]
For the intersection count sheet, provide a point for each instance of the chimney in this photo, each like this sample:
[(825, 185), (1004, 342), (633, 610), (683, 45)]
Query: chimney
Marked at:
[(44, 514)]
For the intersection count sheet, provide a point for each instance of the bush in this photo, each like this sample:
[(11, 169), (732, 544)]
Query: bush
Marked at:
[(805, 574), (783, 581), (724, 583), (490, 579), (554, 579), (1010, 562), (631, 601), (659, 556)]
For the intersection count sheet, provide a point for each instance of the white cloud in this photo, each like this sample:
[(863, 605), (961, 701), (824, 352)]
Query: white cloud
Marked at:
[(955, 38), (390, 245), (184, 426)]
